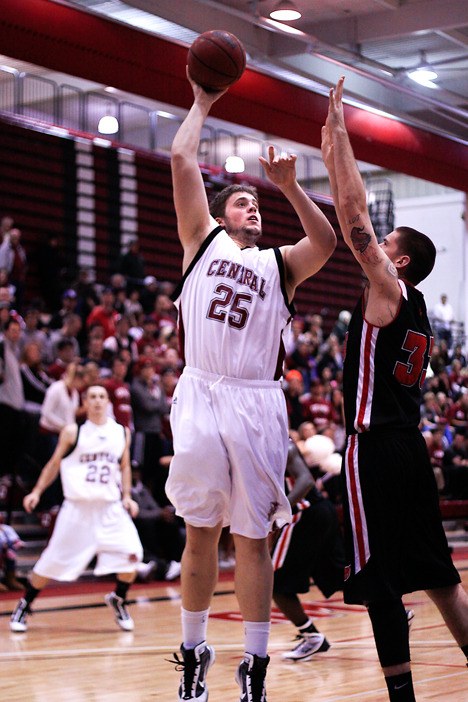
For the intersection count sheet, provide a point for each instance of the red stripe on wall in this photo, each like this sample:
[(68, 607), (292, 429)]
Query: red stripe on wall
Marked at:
[(65, 39)]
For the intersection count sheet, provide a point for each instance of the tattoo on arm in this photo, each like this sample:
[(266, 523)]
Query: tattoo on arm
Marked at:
[(360, 239)]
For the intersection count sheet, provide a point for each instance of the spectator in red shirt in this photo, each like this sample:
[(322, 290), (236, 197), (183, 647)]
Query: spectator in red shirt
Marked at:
[(164, 312), (105, 315), (119, 393), (65, 356), (458, 413), (318, 409), (150, 336)]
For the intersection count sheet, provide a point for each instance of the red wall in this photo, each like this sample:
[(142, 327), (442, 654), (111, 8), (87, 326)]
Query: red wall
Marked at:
[(69, 40)]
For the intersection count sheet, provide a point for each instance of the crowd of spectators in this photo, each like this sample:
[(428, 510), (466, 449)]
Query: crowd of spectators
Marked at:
[(123, 333)]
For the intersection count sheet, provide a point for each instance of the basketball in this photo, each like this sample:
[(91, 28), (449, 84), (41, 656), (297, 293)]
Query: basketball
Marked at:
[(216, 60)]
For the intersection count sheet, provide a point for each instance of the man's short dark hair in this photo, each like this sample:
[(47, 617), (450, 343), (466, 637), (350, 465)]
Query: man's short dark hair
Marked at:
[(421, 251), (64, 344), (218, 203), (11, 320)]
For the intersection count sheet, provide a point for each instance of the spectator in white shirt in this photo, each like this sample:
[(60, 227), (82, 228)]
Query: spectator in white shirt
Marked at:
[(443, 318)]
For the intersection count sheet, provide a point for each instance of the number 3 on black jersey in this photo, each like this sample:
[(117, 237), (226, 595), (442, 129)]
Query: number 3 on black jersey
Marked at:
[(414, 370)]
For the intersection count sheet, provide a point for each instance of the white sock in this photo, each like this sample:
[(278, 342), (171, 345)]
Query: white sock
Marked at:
[(256, 638), (306, 625), (194, 626)]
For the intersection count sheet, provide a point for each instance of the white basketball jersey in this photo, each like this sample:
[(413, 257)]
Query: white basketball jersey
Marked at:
[(91, 471), (233, 310)]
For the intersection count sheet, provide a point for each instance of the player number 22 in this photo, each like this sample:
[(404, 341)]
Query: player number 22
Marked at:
[(97, 474), (414, 370), (228, 307)]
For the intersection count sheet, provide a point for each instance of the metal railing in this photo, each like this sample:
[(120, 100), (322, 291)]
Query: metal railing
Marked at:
[(64, 105)]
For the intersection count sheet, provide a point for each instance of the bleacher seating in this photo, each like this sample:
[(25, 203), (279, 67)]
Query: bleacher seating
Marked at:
[(42, 180)]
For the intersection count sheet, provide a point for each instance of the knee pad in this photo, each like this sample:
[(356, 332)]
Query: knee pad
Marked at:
[(391, 633)]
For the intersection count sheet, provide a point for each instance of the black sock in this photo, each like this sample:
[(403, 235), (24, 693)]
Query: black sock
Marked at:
[(30, 593), (400, 688), (10, 565), (308, 628), (121, 588)]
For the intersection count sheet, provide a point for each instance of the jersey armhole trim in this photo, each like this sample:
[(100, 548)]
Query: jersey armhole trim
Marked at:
[(194, 261), (73, 447), (282, 275), (125, 442)]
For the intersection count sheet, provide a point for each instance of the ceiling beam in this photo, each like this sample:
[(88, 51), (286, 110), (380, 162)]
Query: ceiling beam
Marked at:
[(201, 15), (394, 23), (453, 35)]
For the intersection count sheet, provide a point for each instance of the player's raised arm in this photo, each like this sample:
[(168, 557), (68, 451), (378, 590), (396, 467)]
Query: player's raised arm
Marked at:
[(191, 204), (310, 253), (51, 469), (351, 203)]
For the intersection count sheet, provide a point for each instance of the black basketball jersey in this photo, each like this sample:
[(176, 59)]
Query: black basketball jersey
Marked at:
[(385, 367)]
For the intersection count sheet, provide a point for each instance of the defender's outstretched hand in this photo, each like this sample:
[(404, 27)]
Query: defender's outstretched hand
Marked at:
[(335, 117), (327, 147)]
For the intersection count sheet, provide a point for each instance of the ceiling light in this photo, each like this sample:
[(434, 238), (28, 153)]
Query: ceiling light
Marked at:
[(108, 125), (424, 76), (285, 11), (234, 164)]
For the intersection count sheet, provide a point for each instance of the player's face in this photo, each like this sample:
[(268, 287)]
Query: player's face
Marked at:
[(96, 401), (242, 218), (390, 246)]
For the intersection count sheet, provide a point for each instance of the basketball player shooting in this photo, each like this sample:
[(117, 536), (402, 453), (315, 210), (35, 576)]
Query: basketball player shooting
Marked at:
[(228, 416)]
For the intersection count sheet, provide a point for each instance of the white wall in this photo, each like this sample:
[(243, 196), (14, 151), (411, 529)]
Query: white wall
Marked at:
[(441, 218)]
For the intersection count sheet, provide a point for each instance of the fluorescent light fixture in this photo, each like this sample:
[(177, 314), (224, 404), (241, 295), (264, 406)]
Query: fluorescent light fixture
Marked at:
[(424, 76), (234, 164), (108, 125), (285, 11), (167, 115), (281, 27)]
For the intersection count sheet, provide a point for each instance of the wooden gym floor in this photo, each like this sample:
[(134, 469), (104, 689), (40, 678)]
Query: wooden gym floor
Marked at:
[(74, 652)]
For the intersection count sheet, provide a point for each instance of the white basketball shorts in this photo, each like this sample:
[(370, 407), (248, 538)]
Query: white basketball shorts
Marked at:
[(87, 529), (230, 453)]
